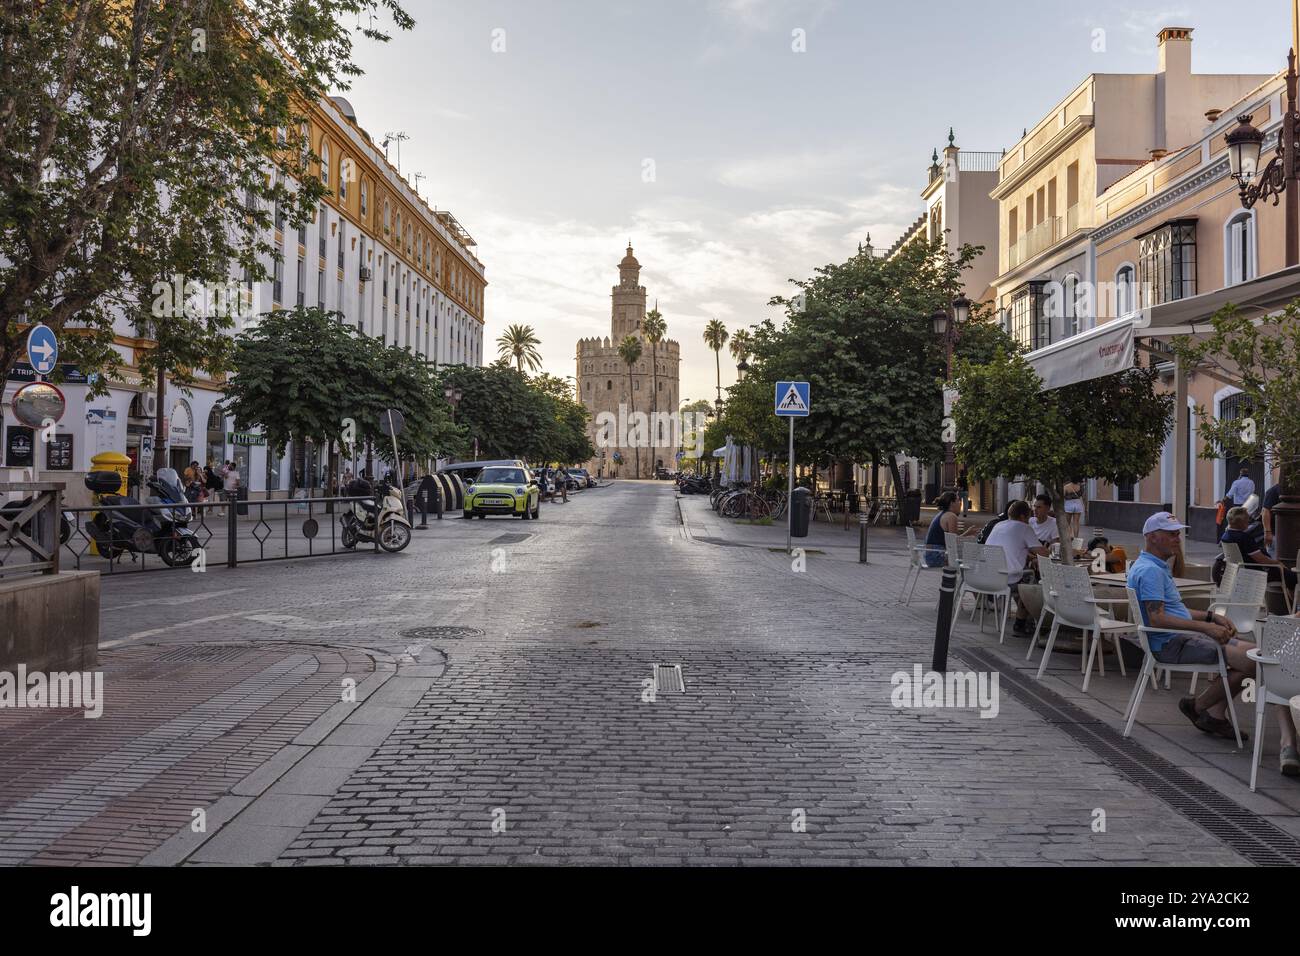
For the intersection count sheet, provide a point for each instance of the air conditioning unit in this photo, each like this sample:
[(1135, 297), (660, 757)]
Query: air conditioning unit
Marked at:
[(365, 274), (145, 405)]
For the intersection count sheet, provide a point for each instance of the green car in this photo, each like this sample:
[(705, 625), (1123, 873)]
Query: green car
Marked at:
[(503, 490)]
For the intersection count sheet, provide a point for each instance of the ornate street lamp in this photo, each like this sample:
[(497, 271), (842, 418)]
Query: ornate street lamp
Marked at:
[(1278, 180), (453, 396), (948, 329), (742, 367)]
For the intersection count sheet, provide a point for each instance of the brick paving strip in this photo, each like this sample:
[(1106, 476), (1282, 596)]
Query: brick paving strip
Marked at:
[(174, 736)]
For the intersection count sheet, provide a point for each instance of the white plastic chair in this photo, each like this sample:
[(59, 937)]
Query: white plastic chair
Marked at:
[(1149, 665), (1232, 555), (1277, 674), (984, 572), (916, 563), (1047, 572), (1076, 607)]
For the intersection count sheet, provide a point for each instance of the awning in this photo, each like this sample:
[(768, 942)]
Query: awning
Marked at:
[(1103, 350), (1256, 298)]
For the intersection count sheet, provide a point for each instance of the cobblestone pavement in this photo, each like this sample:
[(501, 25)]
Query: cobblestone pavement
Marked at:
[(535, 741)]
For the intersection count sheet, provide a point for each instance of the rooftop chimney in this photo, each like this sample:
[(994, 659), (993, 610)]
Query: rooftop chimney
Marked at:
[(1174, 88)]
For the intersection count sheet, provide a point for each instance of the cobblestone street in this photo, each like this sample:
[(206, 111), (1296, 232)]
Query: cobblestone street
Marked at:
[(525, 732)]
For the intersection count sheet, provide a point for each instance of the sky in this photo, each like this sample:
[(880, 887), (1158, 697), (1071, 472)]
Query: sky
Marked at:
[(557, 130)]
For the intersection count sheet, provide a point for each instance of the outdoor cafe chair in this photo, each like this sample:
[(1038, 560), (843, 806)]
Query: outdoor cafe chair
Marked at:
[(1232, 555), (916, 563), (984, 573), (1277, 674), (1241, 603), (1075, 606), (1047, 572), (1150, 664)]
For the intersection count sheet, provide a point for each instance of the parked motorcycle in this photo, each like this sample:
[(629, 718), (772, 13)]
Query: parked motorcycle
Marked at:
[(362, 517), (138, 528), (694, 485)]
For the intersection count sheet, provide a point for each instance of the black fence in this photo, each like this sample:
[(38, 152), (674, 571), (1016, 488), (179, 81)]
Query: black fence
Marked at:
[(156, 536)]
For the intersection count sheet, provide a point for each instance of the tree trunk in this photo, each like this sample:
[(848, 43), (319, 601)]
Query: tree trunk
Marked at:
[(717, 363), (654, 406), (631, 405), (898, 486), (1057, 491), (159, 438)]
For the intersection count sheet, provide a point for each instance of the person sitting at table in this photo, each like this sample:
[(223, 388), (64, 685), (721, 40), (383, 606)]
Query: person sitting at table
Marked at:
[(1018, 540), (1161, 606), (1116, 558), (1043, 523), (1250, 539), (945, 521)]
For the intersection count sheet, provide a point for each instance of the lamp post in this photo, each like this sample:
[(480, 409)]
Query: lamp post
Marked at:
[(742, 367), (948, 329), (1280, 181), (453, 396)]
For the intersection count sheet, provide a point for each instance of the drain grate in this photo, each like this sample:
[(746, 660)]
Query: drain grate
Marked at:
[(444, 632), (513, 538), (201, 655), (1240, 829), (668, 679)]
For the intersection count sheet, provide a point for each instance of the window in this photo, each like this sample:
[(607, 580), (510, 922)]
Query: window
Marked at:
[(322, 220), (609, 386), (1028, 321), (1240, 255), (1125, 293), (320, 288), (1070, 303), (277, 281), (302, 282), (1124, 491), (302, 234), (279, 209), (387, 216), (345, 173), (342, 232), (365, 197), (325, 163), (1167, 267)]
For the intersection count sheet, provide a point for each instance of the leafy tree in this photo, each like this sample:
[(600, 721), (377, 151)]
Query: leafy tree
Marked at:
[(399, 380), (981, 338), (629, 350), (510, 417), (742, 344), (715, 337), (860, 333), (518, 343), (125, 119), (1264, 360), (693, 440), (1113, 427)]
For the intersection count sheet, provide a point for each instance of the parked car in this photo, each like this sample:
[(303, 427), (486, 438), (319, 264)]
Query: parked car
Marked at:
[(469, 470), (503, 490), (584, 476)]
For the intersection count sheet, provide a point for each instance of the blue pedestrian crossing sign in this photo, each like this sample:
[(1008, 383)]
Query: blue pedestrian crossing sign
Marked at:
[(792, 400), (42, 349)]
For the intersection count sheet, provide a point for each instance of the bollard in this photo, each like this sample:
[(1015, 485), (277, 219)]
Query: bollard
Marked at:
[(943, 625), (424, 510), (232, 530), (862, 537), (437, 503)]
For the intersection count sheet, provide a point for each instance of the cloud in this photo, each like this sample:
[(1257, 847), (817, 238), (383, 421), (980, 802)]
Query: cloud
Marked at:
[(785, 171)]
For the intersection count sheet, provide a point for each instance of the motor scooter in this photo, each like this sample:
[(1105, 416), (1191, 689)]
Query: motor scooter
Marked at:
[(139, 529), (362, 517)]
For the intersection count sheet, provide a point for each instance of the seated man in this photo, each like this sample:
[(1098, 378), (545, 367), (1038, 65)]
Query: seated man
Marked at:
[(1161, 605), (1043, 523), (1116, 558), (1018, 540), (1250, 539)]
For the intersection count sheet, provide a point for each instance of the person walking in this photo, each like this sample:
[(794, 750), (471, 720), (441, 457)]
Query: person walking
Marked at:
[(562, 484), (230, 483), (1073, 506), (1242, 488)]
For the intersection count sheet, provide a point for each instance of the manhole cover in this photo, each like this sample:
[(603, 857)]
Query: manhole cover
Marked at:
[(201, 655), (514, 538), (441, 633)]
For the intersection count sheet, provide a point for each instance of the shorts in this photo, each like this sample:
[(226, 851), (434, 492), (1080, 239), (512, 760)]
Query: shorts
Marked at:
[(1074, 506), (1186, 649)]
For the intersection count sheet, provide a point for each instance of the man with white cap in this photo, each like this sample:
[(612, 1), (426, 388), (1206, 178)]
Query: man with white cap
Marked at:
[(1152, 581)]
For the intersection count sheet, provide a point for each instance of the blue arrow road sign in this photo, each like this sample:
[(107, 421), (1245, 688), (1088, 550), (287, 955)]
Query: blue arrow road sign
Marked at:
[(792, 400), (42, 349)]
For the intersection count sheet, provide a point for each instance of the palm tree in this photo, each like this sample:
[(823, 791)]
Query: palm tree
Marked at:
[(629, 350), (715, 337), (519, 344), (742, 345), (653, 328)]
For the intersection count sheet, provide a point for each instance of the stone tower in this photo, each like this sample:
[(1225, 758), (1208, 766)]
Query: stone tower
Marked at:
[(604, 386)]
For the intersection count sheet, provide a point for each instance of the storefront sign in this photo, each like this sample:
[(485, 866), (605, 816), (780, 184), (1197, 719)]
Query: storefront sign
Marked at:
[(20, 446), (245, 438), (71, 375), (58, 453), (101, 430), (180, 431)]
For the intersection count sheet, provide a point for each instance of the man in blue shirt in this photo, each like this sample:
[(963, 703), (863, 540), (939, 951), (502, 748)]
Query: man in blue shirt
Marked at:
[(1242, 488), (1161, 605)]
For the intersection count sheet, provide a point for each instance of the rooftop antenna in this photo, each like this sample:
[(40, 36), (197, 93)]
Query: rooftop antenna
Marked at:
[(417, 177), (397, 138)]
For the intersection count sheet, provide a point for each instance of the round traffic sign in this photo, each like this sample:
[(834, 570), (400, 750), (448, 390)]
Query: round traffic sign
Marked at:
[(42, 349), (391, 423), (37, 403)]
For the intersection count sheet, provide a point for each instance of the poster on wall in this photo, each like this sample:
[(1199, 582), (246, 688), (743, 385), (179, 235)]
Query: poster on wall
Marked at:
[(58, 453), (101, 430), (20, 446)]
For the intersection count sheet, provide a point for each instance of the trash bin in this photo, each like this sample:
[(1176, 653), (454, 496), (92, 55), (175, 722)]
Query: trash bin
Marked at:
[(800, 512), (242, 500), (912, 506)]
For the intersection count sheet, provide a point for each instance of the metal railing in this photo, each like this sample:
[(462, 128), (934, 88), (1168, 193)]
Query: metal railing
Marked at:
[(978, 162), (29, 527), (226, 532)]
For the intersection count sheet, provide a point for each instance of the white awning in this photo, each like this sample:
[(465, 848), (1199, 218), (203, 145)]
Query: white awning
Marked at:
[(1255, 299), (1103, 350)]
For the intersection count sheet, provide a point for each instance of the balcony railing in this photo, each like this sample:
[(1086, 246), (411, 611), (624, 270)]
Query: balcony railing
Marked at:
[(1072, 219)]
